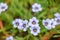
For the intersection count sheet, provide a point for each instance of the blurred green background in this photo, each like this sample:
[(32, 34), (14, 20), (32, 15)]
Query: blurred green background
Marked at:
[(22, 9)]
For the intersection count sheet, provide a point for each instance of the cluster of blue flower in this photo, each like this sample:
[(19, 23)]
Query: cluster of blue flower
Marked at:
[(51, 23), (24, 24), (33, 23)]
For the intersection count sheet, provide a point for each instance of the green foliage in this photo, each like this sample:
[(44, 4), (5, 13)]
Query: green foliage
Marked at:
[(22, 9)]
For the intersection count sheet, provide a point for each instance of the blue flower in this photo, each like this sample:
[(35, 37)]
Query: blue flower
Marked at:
[(17, 22), (33, 21), (35, 30), (36, 7), (24, 25), (57, 15), (3, 7), (53, 23), (57, 20), (9, 38)]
